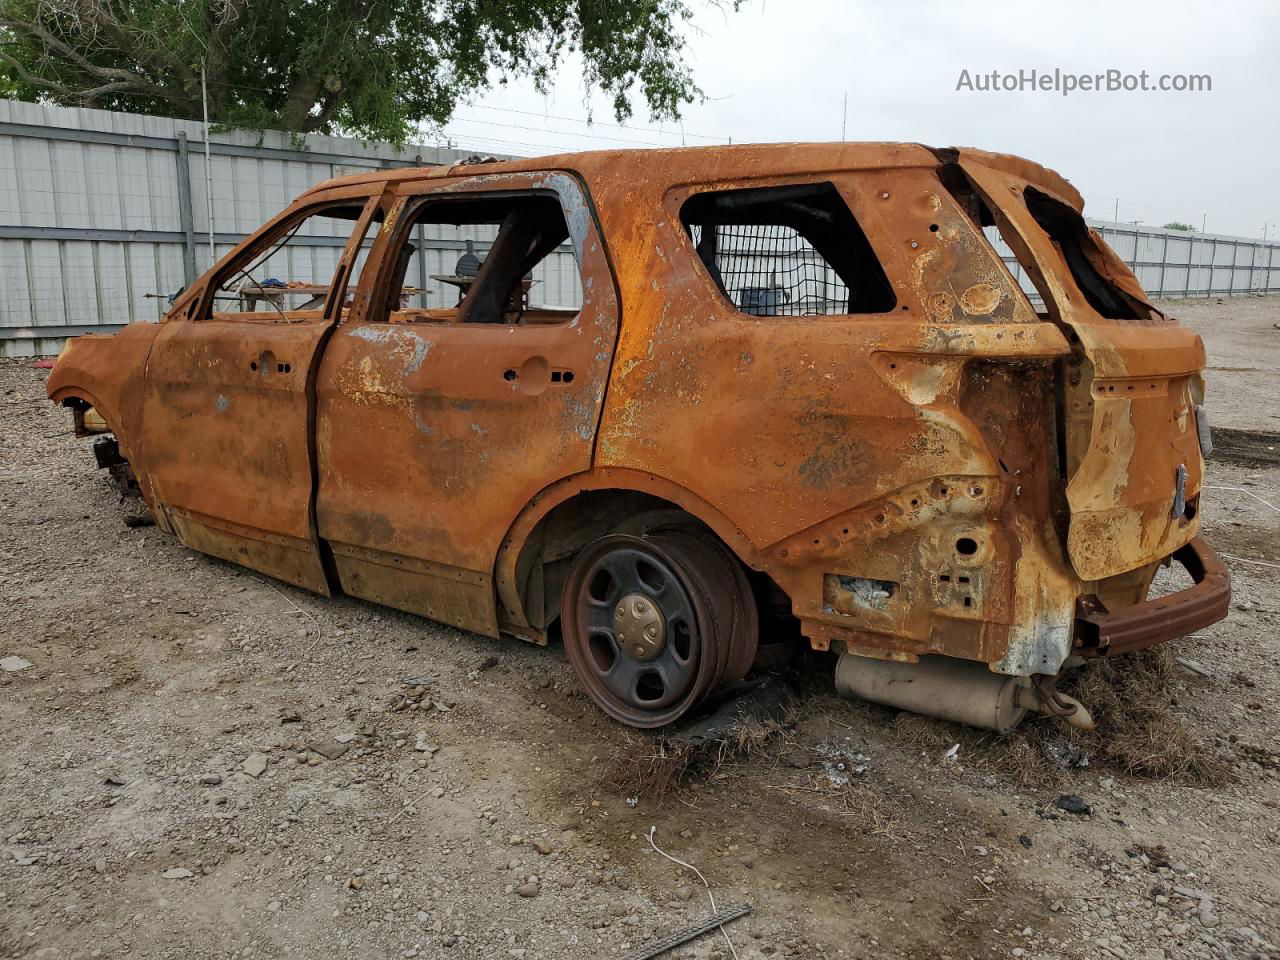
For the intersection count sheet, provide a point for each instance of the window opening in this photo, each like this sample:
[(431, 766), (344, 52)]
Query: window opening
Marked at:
[(789, 251), (498, 259)]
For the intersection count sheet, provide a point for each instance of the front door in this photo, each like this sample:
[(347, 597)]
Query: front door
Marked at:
[(436, 425), (229, 401)]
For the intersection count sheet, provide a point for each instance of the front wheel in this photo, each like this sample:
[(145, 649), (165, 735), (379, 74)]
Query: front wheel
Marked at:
[(653, 625)]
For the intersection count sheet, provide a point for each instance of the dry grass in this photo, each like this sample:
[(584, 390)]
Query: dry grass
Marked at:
[(869, 808), (750, 736), (1022, 758), (650, 768), (923, 733), (1136, 730), (655, 767), (1129, 697)]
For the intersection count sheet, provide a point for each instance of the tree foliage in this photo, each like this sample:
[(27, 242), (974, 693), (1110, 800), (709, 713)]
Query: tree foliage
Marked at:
[(372, 69), (1179, 225)]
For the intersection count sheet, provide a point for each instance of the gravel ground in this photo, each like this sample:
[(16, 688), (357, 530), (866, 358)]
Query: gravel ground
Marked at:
[(1243, 342), (201, 762)]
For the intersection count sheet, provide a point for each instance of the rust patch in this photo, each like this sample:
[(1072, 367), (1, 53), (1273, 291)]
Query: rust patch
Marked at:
[(980, 300)]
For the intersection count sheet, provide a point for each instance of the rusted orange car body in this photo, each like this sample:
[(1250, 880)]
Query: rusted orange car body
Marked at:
[(937, 469)]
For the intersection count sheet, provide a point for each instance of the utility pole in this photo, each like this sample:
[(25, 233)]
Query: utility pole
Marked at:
[(844, 116), (208, 168), (1203, 218), (1115, 217)]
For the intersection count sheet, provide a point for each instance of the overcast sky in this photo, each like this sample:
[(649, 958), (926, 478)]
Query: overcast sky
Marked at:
[(779, 70)]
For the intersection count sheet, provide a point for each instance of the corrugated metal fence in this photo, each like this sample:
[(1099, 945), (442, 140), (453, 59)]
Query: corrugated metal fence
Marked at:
[(1174, 264), (100, 209)]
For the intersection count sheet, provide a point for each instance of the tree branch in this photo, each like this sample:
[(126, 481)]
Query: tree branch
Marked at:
[(218, 47), (328, 105), (52, 42), (144, 47), (87, 93)]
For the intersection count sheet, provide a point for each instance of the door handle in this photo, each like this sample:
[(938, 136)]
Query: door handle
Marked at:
[(535, 374)]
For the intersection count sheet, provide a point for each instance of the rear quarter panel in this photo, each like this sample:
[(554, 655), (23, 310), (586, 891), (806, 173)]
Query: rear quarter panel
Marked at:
[(848, 444), (784, 422)]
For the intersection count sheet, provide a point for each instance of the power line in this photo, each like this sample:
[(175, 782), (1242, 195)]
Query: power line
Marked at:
[(560, 133), (532, 113), (487, 142), (599, 123), (1159, 212)]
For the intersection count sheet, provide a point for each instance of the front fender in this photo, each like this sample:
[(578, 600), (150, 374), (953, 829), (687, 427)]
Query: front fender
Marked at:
[(108, 372)]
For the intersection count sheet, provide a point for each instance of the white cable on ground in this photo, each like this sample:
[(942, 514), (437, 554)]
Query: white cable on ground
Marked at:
[(688, 866), (1247, 493), (1260, 563)]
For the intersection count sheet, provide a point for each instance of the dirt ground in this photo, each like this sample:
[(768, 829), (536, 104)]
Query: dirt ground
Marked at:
[(200, 762), (1243, 343)]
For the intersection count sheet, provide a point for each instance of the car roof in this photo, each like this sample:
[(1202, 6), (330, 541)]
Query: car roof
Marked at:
[(664, 168)]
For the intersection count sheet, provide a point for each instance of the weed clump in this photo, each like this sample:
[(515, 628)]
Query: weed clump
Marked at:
[(1129, 697)]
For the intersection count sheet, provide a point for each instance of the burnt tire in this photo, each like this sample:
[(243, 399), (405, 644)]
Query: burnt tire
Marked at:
[(770, 656), (654, 625)]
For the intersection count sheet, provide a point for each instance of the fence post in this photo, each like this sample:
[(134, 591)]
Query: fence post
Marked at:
[(1164, 258), (422, 263), (1191, 256), (184, 211)]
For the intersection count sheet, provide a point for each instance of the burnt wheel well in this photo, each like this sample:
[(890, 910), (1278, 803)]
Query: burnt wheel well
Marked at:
[(547, 555), (87, 418)]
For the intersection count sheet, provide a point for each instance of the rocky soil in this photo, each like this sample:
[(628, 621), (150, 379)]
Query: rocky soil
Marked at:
[(201, 762)]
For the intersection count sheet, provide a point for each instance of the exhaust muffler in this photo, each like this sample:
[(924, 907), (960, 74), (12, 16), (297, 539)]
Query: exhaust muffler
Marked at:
[(962, 691)]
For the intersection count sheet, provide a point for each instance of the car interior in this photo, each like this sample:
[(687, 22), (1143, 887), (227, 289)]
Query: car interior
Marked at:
[(496, 281)]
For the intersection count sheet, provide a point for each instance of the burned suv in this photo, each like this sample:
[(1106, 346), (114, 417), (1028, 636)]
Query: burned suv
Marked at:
[(792, 387)]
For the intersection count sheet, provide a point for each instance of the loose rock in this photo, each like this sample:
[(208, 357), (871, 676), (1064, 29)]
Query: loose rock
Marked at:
[(329, 749), (1071, 803), (255, 765)]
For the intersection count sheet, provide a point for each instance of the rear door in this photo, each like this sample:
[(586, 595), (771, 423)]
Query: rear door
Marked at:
[(229, 398), (1129, 391), (436, 426)]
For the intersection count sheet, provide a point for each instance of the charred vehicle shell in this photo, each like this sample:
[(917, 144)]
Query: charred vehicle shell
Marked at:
[(799, 387)]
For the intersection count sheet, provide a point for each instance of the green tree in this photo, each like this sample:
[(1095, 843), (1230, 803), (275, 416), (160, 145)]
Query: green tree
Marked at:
[(1179, 225), (372, 69)]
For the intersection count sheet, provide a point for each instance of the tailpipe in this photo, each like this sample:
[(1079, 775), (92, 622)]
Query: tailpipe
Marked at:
[(962, 691)]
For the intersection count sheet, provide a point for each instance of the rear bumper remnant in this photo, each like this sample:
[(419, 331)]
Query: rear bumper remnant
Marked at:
[(1100, 632)]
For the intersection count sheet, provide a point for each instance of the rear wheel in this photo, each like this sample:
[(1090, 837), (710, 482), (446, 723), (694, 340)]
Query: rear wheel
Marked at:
[(653, 625)]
